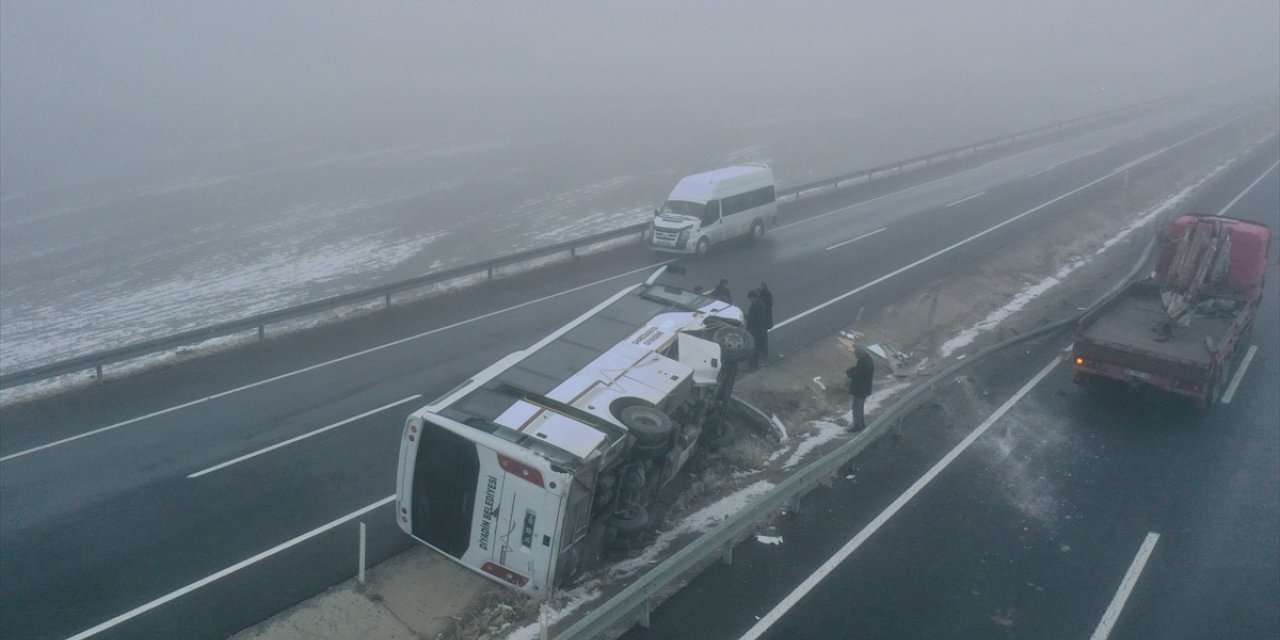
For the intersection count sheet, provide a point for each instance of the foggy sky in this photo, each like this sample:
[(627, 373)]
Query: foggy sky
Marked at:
[(92, 90)]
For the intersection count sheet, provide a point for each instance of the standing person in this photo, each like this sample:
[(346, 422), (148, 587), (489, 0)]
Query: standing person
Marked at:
[(721, 292), (860, 375), (757, 326), (766, 296)]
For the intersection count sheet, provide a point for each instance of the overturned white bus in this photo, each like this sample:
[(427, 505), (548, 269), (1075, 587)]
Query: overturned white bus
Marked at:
[(525, 471)]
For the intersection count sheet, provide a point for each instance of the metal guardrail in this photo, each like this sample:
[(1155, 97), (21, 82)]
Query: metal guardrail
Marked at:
[(121, 354), (637, 598)]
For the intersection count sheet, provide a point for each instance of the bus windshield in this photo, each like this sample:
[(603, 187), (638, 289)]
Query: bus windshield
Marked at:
[(445, 478)]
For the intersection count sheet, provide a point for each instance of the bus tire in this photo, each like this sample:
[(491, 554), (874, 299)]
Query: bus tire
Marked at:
[(649, 451), (736, 343), (650, 426), (757, 231), (700, 250), (629, 521)]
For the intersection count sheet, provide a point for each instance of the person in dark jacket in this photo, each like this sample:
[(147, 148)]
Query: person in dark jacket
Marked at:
[(860, 375), (766, 296), (721, 292), (757, 326)]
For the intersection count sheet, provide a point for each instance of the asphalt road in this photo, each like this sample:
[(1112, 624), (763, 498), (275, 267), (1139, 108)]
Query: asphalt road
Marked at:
[(1031, 531), (129, 531)]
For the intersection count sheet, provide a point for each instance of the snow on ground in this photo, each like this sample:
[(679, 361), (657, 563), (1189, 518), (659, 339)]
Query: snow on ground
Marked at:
[(565, 604), (1027, 295), (214, 288)]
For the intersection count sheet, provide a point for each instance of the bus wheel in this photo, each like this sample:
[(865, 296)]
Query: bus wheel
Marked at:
[(629, 521), (757, 231), (700, 249), (736, 343), (651, 427)]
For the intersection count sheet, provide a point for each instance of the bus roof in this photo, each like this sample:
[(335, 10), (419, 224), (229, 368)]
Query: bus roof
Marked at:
[(540, 375)]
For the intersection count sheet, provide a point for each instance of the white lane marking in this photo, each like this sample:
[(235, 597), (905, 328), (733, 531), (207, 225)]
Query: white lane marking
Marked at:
[(907, 190), (852, 545), (865, 235), (1235, 380), (1126, 587), (989, 230), (1250, 187), (326, 363), (967, 198), (304, 436), (1068, 161), (228, 571)]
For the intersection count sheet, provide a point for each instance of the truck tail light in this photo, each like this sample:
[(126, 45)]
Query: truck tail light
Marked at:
[(520, 470), (504, 574)]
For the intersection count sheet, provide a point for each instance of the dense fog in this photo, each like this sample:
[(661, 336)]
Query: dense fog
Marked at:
[(91, 89)]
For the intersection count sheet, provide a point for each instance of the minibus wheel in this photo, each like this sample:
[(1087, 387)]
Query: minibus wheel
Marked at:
[(757, 231), (700, 249)]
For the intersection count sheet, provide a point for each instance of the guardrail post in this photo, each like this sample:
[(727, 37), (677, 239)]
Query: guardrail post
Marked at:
[(387, 298), (726, 556), (98, 370), (573, 252), (490, 273), (644, 613), (362, 542), (793, 505), (262, 328)]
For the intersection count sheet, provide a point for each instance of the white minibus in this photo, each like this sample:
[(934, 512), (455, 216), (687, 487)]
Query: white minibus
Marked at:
[(709, 208)]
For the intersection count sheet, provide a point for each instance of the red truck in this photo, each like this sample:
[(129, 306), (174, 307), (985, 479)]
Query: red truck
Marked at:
[(1179, 329)]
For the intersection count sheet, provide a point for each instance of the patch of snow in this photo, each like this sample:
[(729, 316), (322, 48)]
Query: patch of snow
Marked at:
[(566, 603), (763, 539), (823, 432)]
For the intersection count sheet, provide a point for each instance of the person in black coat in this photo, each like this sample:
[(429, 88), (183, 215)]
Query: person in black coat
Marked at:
[(721, 292), (860, 375), (757, 326), (766, 296)]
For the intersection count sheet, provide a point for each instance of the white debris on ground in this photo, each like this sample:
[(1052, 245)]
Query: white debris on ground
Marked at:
[(818, 381), (771, 540), (1024, 297)]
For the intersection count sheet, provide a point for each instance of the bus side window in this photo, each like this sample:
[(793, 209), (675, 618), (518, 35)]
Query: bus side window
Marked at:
[(711, 214)]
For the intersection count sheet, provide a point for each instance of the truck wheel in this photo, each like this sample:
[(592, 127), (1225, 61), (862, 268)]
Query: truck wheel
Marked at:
[(700, 249), (757, 231), (651, 427), (736, 343)]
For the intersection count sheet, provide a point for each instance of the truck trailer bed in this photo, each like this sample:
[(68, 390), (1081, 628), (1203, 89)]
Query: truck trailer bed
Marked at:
[(1132, 321)]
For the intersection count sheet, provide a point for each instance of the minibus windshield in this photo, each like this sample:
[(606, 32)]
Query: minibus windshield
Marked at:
[(684, 208)]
